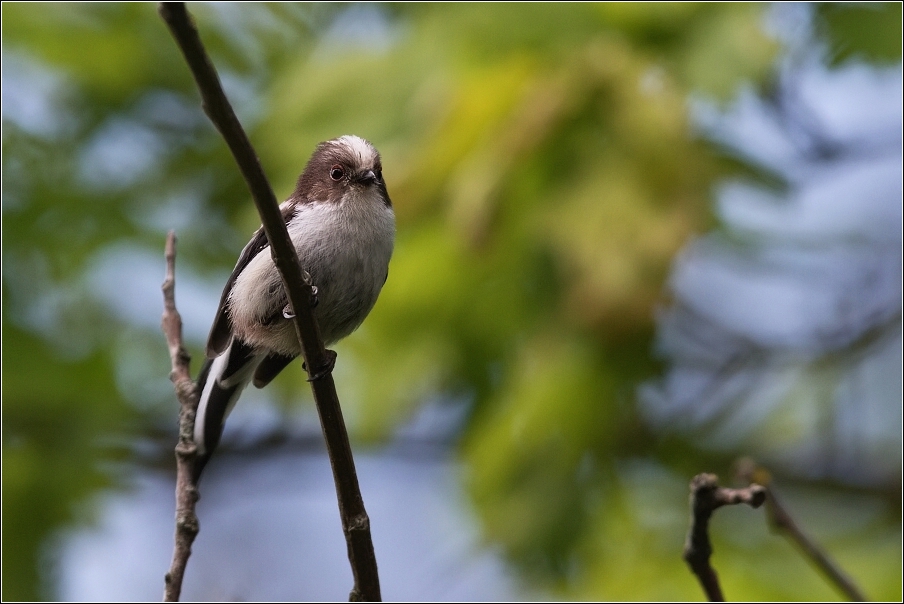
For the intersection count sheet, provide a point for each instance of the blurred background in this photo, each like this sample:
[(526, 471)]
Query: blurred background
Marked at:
[(635, 242)]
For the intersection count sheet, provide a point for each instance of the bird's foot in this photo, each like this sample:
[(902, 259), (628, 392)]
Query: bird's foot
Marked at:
[(325, 369), (315, 299), (287, 309), (306, 277)]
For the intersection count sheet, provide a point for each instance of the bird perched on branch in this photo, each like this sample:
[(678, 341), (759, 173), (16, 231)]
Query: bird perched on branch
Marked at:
[(341, 221)]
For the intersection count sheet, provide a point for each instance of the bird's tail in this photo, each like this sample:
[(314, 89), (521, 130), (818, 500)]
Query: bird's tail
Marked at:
[(221, 383)]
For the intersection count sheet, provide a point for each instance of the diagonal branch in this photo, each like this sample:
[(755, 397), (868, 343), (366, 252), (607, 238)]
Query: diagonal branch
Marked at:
[(186, 450), (355, 522), (706, 497), (781, 521)]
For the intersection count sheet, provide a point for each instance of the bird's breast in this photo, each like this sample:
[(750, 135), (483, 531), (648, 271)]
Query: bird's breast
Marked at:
[(345, 247)]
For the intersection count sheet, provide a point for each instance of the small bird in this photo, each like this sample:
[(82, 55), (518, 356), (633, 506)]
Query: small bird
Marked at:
[(341, 221)]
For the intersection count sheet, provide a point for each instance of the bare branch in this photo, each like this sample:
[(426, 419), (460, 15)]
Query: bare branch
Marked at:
[(355, 521), (186, 490), (781, 521), (706, 497)]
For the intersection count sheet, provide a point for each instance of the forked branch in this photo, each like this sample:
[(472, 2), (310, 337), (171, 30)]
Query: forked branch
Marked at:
[(706, 497)]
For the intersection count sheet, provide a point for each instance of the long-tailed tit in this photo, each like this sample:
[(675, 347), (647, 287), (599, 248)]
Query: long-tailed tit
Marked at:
[(341, 221)]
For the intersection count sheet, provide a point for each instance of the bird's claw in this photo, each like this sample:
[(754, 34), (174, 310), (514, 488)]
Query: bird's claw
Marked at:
[(325, 369), (287, 309)]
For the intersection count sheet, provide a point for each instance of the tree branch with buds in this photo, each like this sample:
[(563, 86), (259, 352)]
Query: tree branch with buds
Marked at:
[(186, 489)]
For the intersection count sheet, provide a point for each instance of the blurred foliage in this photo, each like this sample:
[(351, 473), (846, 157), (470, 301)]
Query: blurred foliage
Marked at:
[(868, 31), (53, 412), (544, 173)]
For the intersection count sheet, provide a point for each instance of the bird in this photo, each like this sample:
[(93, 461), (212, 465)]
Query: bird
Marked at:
[(341, 221)]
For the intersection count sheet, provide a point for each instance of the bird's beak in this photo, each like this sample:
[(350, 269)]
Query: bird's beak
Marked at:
[(367, 178)]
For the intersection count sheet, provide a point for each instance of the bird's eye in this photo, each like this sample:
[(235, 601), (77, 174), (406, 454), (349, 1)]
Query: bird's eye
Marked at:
[(336, 172), (379, 174)]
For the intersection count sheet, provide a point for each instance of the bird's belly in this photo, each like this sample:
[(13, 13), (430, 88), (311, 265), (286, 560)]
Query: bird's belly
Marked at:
[(348, 282), (346, 293)]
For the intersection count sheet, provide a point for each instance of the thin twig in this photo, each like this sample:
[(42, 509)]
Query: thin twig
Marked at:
[(355, 522), (781, 521), (186, 490), (706, 497)]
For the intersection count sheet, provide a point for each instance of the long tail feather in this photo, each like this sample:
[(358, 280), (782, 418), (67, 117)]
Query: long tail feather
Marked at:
[(221, 382)]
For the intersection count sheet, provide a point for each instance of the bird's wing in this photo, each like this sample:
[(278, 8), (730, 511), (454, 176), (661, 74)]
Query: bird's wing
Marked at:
[(221, 330)]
